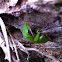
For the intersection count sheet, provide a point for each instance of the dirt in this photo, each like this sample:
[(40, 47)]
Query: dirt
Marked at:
[(47, 22)]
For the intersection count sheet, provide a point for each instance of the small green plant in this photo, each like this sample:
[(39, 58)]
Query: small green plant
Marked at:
[(26, 31)]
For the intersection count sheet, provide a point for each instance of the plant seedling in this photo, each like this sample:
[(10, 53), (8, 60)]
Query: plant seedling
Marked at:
[(28, 34)]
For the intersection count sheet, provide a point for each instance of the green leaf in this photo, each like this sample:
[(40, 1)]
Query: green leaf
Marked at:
[(26, 31), (40, 39), (43, 39), (36, 38)]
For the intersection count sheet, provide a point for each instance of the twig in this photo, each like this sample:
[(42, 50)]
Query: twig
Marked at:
[(5, 37), (17, 43), (23, 49), (18, 60), (49, 56)]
